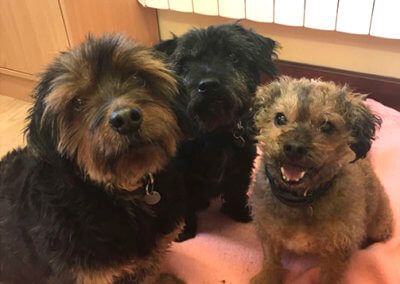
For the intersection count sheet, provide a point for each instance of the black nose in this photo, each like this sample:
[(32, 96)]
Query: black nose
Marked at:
[(126, 120), (208, 85), (294, 150)]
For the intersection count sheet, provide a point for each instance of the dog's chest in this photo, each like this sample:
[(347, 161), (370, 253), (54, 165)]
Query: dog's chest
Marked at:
[(298, 238), (211, 161), (300, 242)]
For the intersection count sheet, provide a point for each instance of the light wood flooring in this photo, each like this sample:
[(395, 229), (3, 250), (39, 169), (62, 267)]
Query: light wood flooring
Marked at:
[(12, 123)]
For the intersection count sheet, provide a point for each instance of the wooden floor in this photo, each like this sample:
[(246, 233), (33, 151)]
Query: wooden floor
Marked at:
[(12, 123)]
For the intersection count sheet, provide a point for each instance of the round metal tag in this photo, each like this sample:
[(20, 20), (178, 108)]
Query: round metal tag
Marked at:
[(152, 198)]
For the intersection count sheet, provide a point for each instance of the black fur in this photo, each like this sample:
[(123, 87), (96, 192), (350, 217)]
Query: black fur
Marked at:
[(363, 124), (220, 158), (54, 221)]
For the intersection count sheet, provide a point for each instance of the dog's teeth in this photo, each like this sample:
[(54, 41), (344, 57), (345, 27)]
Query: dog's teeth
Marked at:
[(286, 178), (283, 174)]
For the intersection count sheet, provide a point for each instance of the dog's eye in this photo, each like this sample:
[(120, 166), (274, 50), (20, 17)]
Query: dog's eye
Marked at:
[(78, 103), (327, 127), (280, 119)]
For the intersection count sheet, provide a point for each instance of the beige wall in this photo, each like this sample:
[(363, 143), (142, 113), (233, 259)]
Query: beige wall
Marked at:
[(325, 48)]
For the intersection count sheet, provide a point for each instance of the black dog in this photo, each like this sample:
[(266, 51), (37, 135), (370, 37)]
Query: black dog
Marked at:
[(221, 68), (81, 203)]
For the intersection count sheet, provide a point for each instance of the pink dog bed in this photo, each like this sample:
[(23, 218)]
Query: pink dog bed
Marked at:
[(228, 252)]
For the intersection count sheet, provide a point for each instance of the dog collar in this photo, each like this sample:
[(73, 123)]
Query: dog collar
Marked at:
[(288, 198), (145, 192)]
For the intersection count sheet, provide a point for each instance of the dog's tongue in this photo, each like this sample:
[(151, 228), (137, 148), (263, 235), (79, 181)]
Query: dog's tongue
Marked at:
[(292, 173)]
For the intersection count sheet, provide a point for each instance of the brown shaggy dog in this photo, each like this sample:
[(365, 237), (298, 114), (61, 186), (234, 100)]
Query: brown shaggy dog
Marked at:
[(312, 194), (95, 196)]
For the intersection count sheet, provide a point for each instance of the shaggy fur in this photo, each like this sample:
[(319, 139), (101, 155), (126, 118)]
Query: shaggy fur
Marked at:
[(72, 202), (221, 67), (321, 131)]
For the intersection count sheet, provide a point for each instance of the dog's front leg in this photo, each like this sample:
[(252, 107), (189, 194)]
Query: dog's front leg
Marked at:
[(235, 203), (333, 267), (190, 229), (234, 194), (166, 278), (272, 270)]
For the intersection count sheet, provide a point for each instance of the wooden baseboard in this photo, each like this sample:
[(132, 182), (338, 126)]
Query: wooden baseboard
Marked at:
[(383, 89), (16, 85)]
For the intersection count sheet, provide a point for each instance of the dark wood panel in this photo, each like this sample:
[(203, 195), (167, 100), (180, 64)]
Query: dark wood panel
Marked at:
[(383, 89)]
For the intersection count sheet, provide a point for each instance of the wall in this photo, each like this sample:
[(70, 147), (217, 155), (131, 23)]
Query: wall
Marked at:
[(32, 32), (359, 53)]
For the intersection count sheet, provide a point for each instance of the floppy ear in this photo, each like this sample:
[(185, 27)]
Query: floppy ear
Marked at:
[(362, 123), (39, 132), (262, 52), (167, 46)]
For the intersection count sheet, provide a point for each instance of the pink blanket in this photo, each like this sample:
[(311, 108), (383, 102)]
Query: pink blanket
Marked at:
[(228, 252)]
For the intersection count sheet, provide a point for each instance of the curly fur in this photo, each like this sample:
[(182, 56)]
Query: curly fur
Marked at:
[(71, 201), (355, 207), (216, 160)]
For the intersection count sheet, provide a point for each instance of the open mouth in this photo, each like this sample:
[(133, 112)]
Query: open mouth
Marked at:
[(293, 174)]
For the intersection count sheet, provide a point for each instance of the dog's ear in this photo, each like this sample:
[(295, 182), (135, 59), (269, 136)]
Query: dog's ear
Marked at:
[(262, 52), (167, 46), (38, 131), (363, 124)]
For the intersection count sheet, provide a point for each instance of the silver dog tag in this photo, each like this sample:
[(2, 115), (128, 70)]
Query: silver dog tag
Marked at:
[(152, 198)]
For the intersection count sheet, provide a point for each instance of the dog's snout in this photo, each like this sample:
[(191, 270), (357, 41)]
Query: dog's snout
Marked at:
[(208, 85), (294, 149), (126, 120)]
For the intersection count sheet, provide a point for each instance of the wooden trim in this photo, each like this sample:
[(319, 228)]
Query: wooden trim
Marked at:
[(383, 89), (16, 86), (23, 75)]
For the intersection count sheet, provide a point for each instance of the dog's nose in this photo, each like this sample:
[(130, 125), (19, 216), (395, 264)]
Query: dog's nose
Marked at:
[(294, 150), (208, 85), (126, 120)]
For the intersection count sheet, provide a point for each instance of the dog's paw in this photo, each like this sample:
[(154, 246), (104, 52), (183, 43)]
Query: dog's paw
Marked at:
[(185, 235), (166, 278), (258, 279), (239, 214), (264, 278)]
